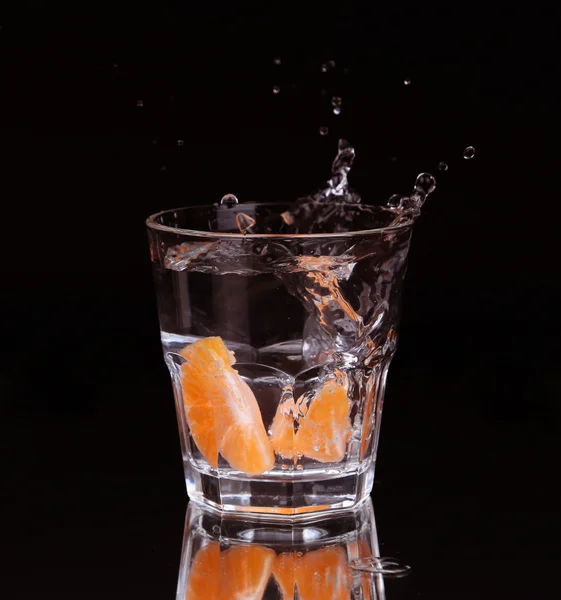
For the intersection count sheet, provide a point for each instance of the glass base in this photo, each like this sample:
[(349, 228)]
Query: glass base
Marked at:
[(296, 499)]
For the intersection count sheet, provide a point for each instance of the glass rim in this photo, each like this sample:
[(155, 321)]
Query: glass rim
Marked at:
[(151, 223)]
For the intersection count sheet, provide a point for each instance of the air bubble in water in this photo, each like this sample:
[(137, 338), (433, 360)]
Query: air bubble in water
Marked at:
[(394, 201), (276, 89), (140, 103), (442, 166), (244, 222), (407, 82), (277, 60), (469, 152), (323, 130), (180, 143), (229, 200)]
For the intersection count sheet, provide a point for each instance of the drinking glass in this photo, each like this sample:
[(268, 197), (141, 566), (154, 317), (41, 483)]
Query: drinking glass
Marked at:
[(278, 344)]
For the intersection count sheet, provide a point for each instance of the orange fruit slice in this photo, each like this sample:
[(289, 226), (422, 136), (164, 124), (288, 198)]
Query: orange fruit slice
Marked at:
[(323, 574), (204, 576), (284, 571), (245, 572), (221, 410), (324, 430)]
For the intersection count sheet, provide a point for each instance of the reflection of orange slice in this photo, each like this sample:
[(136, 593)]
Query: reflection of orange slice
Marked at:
[(285, 574), (245, 572), (323, 574), (204, 576), (221, 410), (324, 430)]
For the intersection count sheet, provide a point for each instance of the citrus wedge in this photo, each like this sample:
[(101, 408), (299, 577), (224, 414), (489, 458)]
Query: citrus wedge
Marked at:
[(323, 574), (204, 576), (221, 410), (245, 572)]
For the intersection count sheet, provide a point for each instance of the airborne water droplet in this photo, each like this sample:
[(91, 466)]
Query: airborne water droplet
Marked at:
[(336, 103), (337, 110), (277, 60), (425, 184), (442, 166), (180, 143), (407, 82), (323, 130), (331, 64), (276, 89), (140, 103), (394, 200), (229, 200), (244, 222), (469, 152)]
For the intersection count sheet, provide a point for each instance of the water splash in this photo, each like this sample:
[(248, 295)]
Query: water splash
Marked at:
[(229, 200), (389, 567), (469, 152), (338, 186)]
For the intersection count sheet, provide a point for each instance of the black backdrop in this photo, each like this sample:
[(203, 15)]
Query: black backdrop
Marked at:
[(92, 493)]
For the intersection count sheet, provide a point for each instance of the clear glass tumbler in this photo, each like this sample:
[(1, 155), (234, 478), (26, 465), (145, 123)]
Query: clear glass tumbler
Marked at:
[(278, 345)]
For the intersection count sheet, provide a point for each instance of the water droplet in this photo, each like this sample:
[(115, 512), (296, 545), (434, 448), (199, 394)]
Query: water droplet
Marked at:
[(389, 567), (276, 89), (155, 142), (331, 64), (336, 101), (324, 68), (425, 184), (407, 82), (469, 152), (394, 201), (180, 143), (316, 448), (323, 130), (276, 60), (442, 166), (336, 110), (163, 168), (229, 200), (115, 65), (140, 103), (244, 222), (394, 158)]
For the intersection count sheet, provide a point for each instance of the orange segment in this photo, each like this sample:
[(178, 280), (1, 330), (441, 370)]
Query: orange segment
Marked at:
[(326, 428), (284, 571), (282, 430), (204, 576), (323, 574), (221, 410), (245, 572)]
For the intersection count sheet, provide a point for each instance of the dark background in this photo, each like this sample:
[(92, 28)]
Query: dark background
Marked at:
[(92, 494)]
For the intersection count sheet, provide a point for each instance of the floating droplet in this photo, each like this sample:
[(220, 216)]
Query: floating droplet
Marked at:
[(327, 66), (140, 103), (323, 130), (244, 222), (407, 82), (331, 64), (469, 152), (163, 168), (442, 166), (115, 65), (276, 60), (425, 184), (229, 200), (180, 143), (394, 201), (336, 101), (276, 89), (337, 110), (394, 158), (324, 68)]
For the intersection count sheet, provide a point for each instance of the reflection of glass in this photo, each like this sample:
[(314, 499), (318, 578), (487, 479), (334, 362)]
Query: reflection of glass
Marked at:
[(288, 424), (227, 558)]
